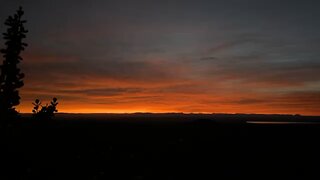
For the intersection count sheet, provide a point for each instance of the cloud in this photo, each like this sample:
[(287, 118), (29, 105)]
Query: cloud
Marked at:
[(102, 92), (271, 62), (115, 69), (240, 77)]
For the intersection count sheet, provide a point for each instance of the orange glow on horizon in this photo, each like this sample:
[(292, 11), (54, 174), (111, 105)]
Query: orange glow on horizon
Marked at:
[(161, 109), (164, 87)]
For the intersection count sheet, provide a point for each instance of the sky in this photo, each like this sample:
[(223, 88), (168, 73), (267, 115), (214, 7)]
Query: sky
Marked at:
[(200, 56)]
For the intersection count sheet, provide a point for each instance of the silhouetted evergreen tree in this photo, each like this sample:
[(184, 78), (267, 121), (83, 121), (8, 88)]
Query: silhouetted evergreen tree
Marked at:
[(11, 77)]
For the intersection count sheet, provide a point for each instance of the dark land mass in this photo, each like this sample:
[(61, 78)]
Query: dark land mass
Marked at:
[(161, 146)]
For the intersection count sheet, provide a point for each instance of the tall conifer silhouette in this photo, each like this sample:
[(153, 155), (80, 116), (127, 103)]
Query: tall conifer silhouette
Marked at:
[(11, 77)]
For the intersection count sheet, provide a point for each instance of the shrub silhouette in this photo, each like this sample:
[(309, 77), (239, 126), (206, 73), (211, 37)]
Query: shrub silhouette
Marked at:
[(11, 77), (44, 112)]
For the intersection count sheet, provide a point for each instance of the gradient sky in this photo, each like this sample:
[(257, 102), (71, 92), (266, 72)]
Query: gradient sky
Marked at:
[(222, 56)]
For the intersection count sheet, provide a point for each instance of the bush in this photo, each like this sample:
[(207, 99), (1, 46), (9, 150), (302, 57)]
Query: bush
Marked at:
[(45, 112)]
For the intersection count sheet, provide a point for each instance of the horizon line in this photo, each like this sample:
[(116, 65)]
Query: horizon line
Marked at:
[(181, 113)]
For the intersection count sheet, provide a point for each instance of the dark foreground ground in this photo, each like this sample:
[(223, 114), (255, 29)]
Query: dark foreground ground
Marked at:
[(145, 146)]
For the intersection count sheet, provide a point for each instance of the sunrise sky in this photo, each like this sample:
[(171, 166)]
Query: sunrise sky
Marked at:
[(219, 56)]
